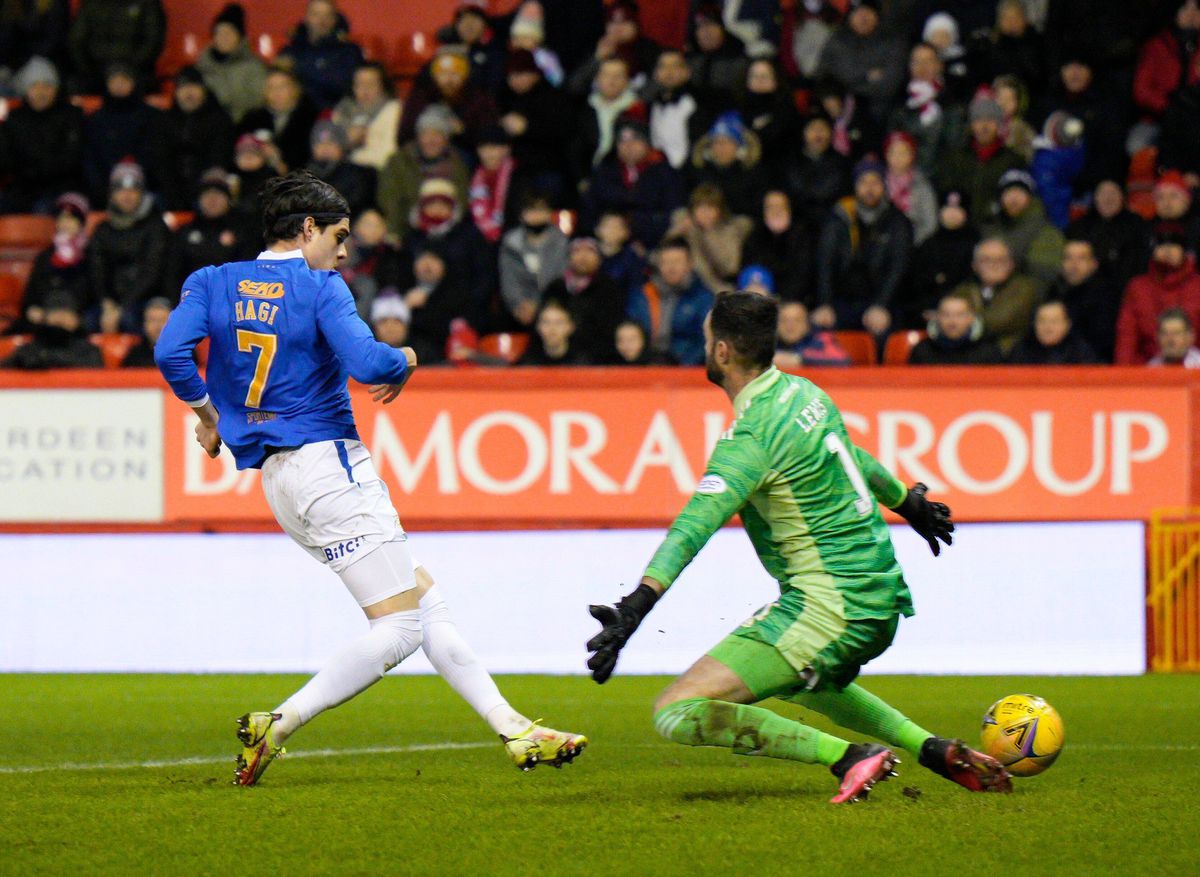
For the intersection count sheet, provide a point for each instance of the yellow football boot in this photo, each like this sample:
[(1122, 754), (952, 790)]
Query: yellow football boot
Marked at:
[(254, 731), (541, 745)]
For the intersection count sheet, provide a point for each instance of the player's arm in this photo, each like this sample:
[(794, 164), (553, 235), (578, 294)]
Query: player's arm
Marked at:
[(368, 361), (736, 469), (931, 520), (174, 354)]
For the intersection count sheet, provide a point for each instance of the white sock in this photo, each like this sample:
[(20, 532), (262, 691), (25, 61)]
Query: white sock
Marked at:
[(458, 665), (355, 668)]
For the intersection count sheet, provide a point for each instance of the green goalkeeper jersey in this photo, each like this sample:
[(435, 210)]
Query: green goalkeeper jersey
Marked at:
[(807, 499)]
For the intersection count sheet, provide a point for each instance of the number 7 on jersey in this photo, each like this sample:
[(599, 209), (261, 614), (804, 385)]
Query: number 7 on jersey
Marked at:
[(266, 345)]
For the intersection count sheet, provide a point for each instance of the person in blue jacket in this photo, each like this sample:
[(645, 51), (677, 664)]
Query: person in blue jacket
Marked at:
[(672, 305)]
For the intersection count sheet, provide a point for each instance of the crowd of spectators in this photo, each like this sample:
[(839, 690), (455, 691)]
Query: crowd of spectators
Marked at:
[(957, 168)]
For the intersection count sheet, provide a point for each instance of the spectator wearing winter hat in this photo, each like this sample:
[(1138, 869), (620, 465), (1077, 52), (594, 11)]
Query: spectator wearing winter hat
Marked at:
[(1004, 298), (390, 317), (634, 179), (284, 120), (769, 110), (473, 30), (612, 98), (799, 343), (863, 256), (130, 257), (124, 126), (1013, 47), (1176, 340), (106, 32), (818, 175), (531, 114), (252, 170), (199, 136), (532, 256), (1171, 281), (232, 71), (60, 270), (955, 335), (528, 33), (491, 189), (370, 116), (39, 175), (728, 157), (439, 220), (757, 279), (717, 57), (975, 169), (942, 262), (715, 236), (595, 302), (59, 341), (623, 38), (1173, 202), (864, 59), (218, 234), (677, 115), (782, 244), (1035, 244), (1119, 237), (909, 188), (328, 163), (450, 84), (322, 54), (429, 156), (942, 32), (935, 128)]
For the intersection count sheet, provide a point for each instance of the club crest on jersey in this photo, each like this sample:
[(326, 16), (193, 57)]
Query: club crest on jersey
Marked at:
[(261, 288), (712, 484)]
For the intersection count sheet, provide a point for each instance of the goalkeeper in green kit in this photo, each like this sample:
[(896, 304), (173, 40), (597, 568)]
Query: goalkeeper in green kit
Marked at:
[(807, 497)]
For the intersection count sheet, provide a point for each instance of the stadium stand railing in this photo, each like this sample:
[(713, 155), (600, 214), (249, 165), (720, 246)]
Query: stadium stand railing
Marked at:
[(1173, 591)]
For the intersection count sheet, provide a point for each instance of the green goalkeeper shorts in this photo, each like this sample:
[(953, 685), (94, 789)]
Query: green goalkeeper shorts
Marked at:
[(798, 643)]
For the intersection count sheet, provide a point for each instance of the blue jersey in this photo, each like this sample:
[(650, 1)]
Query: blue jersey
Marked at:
[(283, 338)]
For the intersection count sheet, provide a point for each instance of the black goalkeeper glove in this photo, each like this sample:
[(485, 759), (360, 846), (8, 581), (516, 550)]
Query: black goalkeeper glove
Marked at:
[(618, 624), (930, 519)]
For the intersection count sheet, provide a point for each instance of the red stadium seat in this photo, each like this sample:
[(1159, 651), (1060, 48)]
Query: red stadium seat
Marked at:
[(860, 346), (11, 294), (114, 346), (177, 219), (505, 346), (89, 103), (26, 232), (94, 219), (413, 52), (18, 268), (9, 343), (899, 345)]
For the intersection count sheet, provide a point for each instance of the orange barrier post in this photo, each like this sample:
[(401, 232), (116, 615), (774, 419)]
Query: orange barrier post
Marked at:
[(1173, 591)]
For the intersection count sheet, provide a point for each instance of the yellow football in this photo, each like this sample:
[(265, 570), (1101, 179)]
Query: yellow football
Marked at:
[(1024, 733)]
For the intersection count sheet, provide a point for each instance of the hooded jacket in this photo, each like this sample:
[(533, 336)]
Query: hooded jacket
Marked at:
[(1146, 298)]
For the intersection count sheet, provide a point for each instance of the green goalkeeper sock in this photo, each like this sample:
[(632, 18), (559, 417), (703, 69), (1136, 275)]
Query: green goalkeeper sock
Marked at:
[(859, 710), (747, 730)]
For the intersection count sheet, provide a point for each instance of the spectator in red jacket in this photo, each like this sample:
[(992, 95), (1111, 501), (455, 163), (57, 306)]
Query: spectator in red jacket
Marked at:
[(1170, 282), (1168, 61)]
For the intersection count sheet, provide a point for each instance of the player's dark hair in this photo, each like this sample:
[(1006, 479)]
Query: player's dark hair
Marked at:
[(288, 200), (747, 322)]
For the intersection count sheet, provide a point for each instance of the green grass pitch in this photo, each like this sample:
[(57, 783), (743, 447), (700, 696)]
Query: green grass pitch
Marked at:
[(78, 797)]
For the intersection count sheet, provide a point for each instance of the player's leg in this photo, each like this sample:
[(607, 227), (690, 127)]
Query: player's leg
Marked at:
[(527, 742)]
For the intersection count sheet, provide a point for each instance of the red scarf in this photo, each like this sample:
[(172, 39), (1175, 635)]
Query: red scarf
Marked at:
[(68, 249), (899, 188), (489, 193), (630, 175), (986, 153)]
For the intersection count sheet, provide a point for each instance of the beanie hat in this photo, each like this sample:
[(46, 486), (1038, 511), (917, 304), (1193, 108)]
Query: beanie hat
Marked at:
[(521, 61), (493, 135), (188, 76), (451, 59), (1172, 179), (439, 117), (900, 137), (756, 275), (74, 203), (248, 143), (327, 131), (956, 198), (233, 14), (1062, 129), (1016, 177), (390, 307), (984, 106), (869, 165), (126, 174), (729, 125), (36, 69), (529, 23), (630, 128), (435, 189), (215, 178), (1169, 233), (941, 21)]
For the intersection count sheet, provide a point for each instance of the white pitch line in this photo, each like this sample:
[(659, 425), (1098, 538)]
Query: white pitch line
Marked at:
[(221, 759)]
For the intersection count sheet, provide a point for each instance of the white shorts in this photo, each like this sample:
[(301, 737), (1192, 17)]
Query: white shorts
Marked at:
[(328, 497)]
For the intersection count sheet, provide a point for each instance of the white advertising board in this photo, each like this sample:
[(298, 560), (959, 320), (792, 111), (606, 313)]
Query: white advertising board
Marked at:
[(81, 455), (1062, 598)]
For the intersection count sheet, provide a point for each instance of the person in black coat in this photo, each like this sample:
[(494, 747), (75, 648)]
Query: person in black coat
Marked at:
[(634, 179), (1077, 93), (284, 121), (124, 126), (130, 257), (782, 244), (1052, 340), (218, 234), (1093, 302), (1012, 48), (59, 341), (717, 57), (60, 271), (942, 261), (328, 163), (34, 29), (818, 175), (555, 342), (199, 137), (677, 114), (1119, 237), (955, 336), (372, 266), (769, 111), (532, 113), (40, 174), (435, 297), (596, 304), (322, 54)]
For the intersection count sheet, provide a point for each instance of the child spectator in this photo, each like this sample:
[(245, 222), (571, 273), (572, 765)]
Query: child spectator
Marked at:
[(154, 317), (322, 54), (369, 115), (1013, 98), (800, 344), (328, 163), (1053, 340), (554, 343), (672, 305), (941, 31), (955, 335), (234, 74), (1057, 161), (389, 320), (532, 256), (632, 347), (1176, 340), (39, 175), (713, 235), (491, 184), (60, 270), (782, 244)]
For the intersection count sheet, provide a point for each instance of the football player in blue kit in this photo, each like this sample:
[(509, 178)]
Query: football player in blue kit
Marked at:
[(284, 334)]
